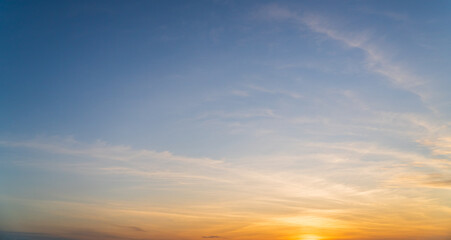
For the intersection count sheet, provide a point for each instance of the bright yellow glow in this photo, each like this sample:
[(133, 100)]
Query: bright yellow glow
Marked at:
[(310, 237)]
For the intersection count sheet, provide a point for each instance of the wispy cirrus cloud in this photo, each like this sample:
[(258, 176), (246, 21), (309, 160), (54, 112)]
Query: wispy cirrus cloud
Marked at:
[(101, 150), (377, 60), (425, 180), (239, 115), (287, 93)]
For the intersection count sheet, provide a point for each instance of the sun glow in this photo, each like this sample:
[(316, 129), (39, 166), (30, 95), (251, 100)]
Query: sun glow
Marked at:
[(310, 237)]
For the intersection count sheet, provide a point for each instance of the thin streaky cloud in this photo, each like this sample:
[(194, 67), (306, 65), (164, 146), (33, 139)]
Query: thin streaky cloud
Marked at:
[(376, 60), (101, 149), (290, 94)]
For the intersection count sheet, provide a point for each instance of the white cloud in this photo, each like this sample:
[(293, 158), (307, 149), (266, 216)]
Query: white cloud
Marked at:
[(290, 94), (377, 60)]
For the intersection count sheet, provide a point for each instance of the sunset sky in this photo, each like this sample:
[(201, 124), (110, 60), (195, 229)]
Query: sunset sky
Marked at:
[(225, 120)]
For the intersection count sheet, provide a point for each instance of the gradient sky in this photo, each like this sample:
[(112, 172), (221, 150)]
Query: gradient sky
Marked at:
[(237, 120)]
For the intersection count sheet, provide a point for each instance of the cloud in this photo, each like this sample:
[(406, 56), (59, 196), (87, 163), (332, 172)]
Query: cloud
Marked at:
[(439, 146), (102, 158), (419, 179), (275, 12), (290, 94), (377, 60), (102, 150), (211, 237), (239, 115), (240, 93), (131, 228), (444, 182)]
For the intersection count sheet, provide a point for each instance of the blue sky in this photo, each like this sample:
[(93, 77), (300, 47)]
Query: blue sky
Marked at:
[(229, 108)]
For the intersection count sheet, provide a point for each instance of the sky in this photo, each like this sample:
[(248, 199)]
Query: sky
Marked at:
[(237, 120)]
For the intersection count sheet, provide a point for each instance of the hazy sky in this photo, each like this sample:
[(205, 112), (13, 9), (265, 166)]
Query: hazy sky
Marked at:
[(237, 120)]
